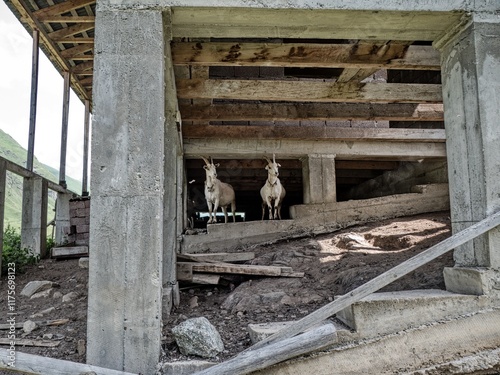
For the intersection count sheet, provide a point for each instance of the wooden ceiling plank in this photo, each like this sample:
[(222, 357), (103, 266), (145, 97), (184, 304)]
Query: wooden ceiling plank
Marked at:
[(314, 132), (67, 19), (298, 54), (307, 91), (61, 8), (313, 111), (74, 40), (366, 164), (83, 68), (78, 50), (71, 30)]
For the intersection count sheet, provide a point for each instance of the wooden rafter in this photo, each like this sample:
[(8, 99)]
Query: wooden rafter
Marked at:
[(61, 8), (76, 51), (70, 31), (66, 19), (308, 91)]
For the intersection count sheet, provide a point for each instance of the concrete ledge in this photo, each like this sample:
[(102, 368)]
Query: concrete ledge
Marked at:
[(470, 280), (183, 367), (317, 219), (404, 352), (390, 312), (69, 252)]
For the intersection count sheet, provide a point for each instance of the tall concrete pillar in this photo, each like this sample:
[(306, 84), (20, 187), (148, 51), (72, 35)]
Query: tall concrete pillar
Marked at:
[(62, 218), (127, 184), (34, 216), (471, 94), (319, 179)]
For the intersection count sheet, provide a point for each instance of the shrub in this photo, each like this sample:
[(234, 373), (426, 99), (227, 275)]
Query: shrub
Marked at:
[(13, 253)]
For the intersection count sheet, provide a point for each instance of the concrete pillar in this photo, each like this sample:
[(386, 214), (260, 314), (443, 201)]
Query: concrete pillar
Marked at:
[(62, 218), (3, 182), (127, 184), (319, 179), (34, 216), (471, 94)]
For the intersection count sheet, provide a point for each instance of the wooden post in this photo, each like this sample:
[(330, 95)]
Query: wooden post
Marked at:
[(64, 130), (33, 100), (382, 280), (86, 126), (3, 175)]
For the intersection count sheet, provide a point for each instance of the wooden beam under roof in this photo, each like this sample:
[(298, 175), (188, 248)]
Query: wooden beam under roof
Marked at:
[(301, 55), (74, 39), (308, 91), (312, 111), (78, 50), (313, 132), (61, 8), (66, 19), (71, 30)]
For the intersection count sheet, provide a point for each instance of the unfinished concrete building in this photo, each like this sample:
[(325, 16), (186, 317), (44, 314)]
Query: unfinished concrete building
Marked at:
[(371, 109)]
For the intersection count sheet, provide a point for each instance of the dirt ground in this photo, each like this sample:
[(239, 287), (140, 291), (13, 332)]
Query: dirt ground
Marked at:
[(333, 264)]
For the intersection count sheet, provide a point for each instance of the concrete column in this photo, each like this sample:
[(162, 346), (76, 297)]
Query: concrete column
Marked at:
[(127, 184), (3, 181), (34, 216), (62, 218), (319, 179), (471, 94)]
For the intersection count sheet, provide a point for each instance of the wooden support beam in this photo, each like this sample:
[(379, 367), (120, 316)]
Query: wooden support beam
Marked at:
[(59, 35), (33, 99), (61, 8), (382, 280), (313, 111), (66, 19), (294, 91), (302, 55), (74, 39), (86, 131), (83, 68), (70, 53), (240, 269), (366, 164), (313, 132), (64, 129)]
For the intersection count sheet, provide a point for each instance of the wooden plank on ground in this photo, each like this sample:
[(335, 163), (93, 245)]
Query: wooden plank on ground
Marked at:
[(205, 278), (219, 257), (29, 342), (254, 360), (70, 251), (33, 364), (382, 280), (56, 322), (184, 271), (239, 269)]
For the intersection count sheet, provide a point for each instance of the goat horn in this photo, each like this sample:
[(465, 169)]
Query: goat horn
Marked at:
[(274, 158), (206, 160)]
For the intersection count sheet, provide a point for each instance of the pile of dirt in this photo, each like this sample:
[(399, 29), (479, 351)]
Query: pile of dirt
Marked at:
[(334, 264)]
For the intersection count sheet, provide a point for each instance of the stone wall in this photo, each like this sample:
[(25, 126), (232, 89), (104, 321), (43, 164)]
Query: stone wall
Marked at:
[(79, 212)]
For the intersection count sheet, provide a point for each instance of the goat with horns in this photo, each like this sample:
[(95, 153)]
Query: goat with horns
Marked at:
[(272, 192), (217, 193)]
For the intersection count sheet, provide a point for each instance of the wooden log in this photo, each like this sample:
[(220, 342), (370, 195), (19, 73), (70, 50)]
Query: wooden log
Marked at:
[(384, 279), (219, 257), (208, 279), (253, 360), (33, 364), (242, 269), (29, 342)]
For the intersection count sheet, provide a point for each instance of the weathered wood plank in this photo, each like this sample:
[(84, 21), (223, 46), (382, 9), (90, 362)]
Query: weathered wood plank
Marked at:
[(240, 269), (61, 8), (253, 360), (308, 91), (384, 279), (71, 30), (206, 279), (314, 132), (221, 257), (184, 271), (313, 111), (66, 19), (56, 322), (30, 342), (33, 364), (78, 50), (300, 55)]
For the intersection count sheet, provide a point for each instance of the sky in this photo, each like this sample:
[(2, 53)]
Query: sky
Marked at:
[(15, 87)]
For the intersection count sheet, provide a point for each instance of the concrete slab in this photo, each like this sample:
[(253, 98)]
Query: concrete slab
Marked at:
[(183, 367), (383, 313), (68, 252)]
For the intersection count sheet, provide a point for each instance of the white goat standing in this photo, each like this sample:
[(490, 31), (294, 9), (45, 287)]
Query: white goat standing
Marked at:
[(272, 192), (217, 193)]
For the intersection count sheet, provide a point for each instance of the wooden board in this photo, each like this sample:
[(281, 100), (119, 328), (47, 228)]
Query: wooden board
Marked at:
[(219, 257)]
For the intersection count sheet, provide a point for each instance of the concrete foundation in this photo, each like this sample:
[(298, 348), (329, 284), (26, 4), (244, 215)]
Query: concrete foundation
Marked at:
[(62, 218), (319, 179), (34, 216)]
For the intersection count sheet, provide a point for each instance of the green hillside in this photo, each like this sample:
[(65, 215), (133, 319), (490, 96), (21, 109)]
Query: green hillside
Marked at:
[(11, 150)]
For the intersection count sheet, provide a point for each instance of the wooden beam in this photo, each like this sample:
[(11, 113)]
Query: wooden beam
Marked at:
[(219, 257), (70, 31), (83, 68), (61, 8), (366, 164), (74, 39), (34, 364), (66, 19), (300, 55), (294, 148), (78, 50), (384, 279), (313, 132), (313, 111), (253, 360), (308, 91)]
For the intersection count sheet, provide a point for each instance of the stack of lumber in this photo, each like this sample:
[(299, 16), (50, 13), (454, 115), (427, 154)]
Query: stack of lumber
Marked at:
[(209, 268)]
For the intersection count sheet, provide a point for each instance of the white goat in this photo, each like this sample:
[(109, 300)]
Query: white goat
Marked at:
[(272, 192), (217, 193)]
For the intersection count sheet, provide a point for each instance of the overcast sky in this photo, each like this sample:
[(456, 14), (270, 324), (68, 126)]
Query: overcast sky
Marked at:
[(15, 86)]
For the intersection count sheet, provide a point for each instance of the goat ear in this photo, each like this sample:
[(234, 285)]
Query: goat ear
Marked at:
[(217, 165), (278, 164), (205, 167), (267, 166)]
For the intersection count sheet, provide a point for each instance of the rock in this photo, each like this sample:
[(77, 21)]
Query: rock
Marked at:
[(43, 294), (83, 262), (198, 337), (193, 302), (57, 295), (183, 367), (48, 336), (36, 286), (69, 297), (29, 326), (43, 312), (80, 347)]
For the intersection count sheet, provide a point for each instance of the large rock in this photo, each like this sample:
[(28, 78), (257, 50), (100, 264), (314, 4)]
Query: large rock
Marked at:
[(36, 286), (198, 337)]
